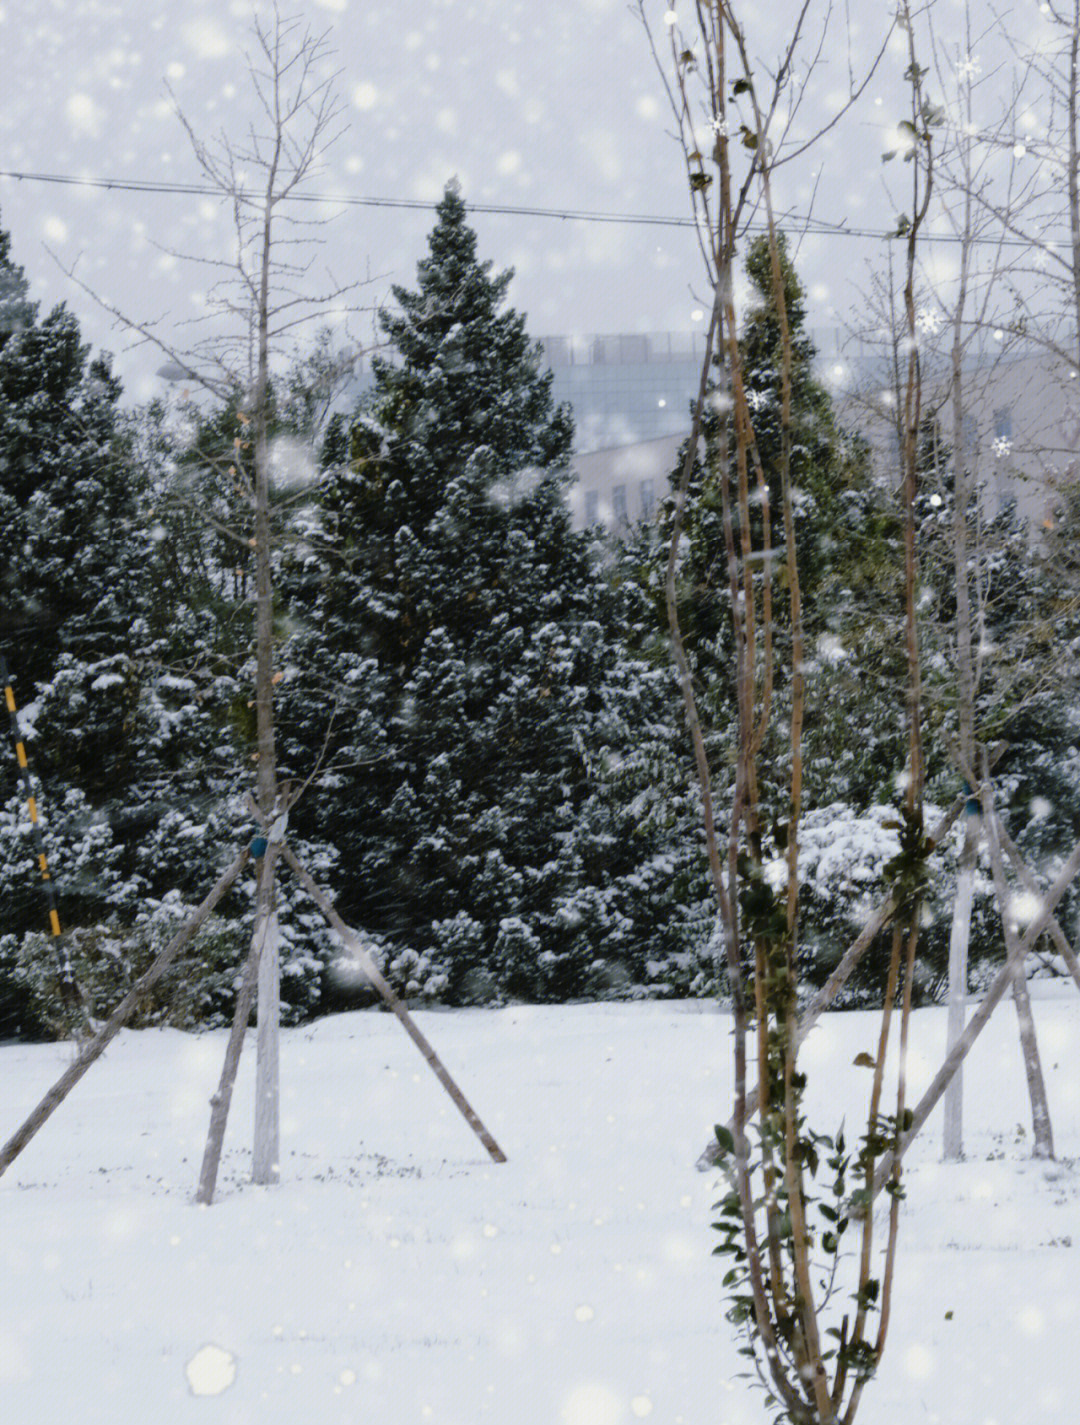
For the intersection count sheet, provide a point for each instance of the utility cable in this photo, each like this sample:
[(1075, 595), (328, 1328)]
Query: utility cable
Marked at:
[(803, 224)]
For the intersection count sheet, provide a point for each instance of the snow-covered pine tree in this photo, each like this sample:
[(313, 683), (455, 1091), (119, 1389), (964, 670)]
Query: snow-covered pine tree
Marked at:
[(68, 506), (70, 577), (452, 657), (847, 538), (124, 625), (463, 387)]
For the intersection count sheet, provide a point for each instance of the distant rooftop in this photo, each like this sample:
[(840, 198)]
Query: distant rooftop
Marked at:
[(623, 349)]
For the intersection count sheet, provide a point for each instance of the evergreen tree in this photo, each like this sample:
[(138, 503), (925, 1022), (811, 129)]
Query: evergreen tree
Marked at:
[(825, 462), (462, 417), (847, 538), (67, 507), (72, 575), (833, 497), (123, 615), (454, 667)]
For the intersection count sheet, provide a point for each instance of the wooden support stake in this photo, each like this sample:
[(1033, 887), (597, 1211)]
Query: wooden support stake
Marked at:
[(1014, 965), (94, 1048), (356, 948), (1029, 1044), (882, 913), (1057, 935), (1042, 1128)]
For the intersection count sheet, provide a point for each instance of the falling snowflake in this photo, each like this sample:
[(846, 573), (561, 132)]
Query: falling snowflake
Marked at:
[(1002, 447), (968, 67), (719, 127), (776, 873), (1025, 907), (670, 17), (928, 320), (211, 1371)]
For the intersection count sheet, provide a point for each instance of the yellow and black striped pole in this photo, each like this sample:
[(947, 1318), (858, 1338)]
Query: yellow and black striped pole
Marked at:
[(67, 977)]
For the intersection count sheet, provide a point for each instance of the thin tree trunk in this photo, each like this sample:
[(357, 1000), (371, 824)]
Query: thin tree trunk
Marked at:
[(222, 1099), (958, 973), (960, 935), (265, 1155), (1074, 164), (266, 1160), (94, 1048)]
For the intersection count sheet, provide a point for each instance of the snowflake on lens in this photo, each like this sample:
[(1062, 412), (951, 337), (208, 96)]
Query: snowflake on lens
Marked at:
[(757, 400), (928, 321)]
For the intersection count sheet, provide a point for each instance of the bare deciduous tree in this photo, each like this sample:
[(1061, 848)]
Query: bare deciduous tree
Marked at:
[(783, 1269), (256, 309), (259, 303)]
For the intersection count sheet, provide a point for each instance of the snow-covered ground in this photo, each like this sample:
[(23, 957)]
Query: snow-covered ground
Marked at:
[(397, 1275)]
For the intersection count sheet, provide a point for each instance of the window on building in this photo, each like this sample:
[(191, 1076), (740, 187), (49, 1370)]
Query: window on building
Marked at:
[(592, 507), (618, 504), (1003, 423), (648, 498)]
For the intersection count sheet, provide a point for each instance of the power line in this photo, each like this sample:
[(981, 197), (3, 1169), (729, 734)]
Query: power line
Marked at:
[(132, 185), (808, 225)]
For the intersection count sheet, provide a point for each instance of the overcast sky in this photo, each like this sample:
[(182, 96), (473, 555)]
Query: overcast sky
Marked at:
[(553, 103)]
